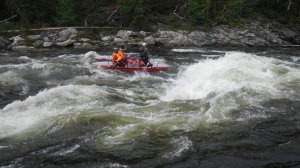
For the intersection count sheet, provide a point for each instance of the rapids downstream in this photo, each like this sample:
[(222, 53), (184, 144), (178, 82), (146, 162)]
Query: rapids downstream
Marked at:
[(214, 107)]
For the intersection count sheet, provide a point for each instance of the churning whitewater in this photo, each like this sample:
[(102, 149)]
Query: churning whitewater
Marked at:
[(148, 119)]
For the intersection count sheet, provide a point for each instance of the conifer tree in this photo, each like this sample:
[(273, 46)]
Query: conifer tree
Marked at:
[(65, 13)]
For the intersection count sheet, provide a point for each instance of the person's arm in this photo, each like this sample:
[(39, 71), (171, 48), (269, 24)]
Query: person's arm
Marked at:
[(146, 53)]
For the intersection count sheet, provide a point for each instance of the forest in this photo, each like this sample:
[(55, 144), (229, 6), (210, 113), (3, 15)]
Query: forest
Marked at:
[(144, 14)]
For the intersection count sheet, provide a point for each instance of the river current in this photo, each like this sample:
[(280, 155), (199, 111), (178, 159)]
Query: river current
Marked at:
[(214, 107)]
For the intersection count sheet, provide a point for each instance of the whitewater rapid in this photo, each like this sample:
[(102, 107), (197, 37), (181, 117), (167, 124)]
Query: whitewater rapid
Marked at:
[(232, 73), (212, 108), (235, 81), (209, 90)]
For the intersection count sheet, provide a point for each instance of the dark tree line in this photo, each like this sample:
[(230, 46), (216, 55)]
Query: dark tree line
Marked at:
[(142, 14)]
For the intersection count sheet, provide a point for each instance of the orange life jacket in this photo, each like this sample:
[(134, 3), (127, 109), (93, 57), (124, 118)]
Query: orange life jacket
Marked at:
[(114, 57), (120, 55)]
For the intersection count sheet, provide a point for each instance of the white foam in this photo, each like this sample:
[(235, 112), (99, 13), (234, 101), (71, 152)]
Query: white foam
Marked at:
[(24, 58), (219, 51), (119, 135), (67, 151), (31, 63), (14, 66), (4, 147), (234, 71), (70, 99), (115, 165), (9, 79), (233, 80), (186, 50), (296, 59), (180, 146), (211, 55)]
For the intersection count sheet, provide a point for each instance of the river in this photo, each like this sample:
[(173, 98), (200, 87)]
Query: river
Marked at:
[(214, 107)]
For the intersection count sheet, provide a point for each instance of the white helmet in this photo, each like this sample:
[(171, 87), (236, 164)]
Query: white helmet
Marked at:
[(144, 44)]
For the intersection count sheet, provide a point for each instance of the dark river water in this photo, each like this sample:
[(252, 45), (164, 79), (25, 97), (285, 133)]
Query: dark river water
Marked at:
[(214, 107)]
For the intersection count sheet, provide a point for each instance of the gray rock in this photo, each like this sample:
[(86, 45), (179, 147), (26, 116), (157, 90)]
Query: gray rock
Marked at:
[(38, 43), (17, 40), (46, 39), (47, 44), (118, 41), (107, 39), (198, 38), (142, 34), (83, 46), (149, 40), (66, 43), (283, 32), (183, 32), (124, 33), (83, 40), (68, 32), (171, 38), (73, 36), (65, 35), (134, 34), (33, 37), (61, 39), (22, 48), (121, 33)]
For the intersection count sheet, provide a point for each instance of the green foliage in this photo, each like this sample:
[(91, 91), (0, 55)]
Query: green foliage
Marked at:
[(205, 12), (134, 8), (233, 11), (90, 33), (140, 23), (25, 20), (65, 13), (132, 14), (129, 9), (89, 12), (160, 6), (173, 23), (27, 42), (140, 14), (34, 13), (200, 11)]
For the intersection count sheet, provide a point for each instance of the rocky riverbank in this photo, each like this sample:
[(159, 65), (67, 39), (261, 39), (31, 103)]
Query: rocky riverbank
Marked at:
[(255, 34)]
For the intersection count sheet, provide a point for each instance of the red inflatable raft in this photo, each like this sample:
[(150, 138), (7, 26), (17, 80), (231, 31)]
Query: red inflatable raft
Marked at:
[(132, 65), (132, 69)]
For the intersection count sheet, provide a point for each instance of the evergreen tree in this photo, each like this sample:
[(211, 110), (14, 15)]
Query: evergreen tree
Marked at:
[(139, 21), (126, 8), (65, 13), (200, 11), (34, 12), (140, 13)]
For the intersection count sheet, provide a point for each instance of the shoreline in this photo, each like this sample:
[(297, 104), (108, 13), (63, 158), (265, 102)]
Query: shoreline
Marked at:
[(95, 38)]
